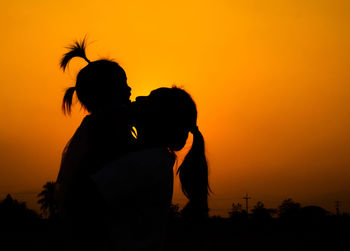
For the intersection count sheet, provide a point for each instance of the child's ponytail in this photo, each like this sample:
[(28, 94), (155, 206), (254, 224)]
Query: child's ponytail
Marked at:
[(67, 100), (75, 50)]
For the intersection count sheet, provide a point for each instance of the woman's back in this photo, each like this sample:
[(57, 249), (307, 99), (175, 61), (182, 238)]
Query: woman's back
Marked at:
[(137, 189)]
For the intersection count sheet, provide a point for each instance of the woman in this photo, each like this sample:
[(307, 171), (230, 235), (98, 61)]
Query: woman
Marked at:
[(101, 88), (137, 188)]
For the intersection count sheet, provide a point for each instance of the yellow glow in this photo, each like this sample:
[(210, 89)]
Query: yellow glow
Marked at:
[(270, 78)]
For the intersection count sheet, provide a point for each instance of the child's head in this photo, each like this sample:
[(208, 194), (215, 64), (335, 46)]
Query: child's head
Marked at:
[(100, 85)]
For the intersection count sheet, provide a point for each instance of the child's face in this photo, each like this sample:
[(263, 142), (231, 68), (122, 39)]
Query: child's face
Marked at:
[(122, 91)]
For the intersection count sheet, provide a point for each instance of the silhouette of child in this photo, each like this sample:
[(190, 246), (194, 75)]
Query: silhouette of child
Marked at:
[(103, 135)]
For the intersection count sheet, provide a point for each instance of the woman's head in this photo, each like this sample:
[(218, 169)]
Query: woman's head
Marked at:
[(164, 118), (100, 85)]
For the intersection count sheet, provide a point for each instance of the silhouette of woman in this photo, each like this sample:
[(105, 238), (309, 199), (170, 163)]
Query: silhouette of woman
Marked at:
[(101, 88), (137, 188)]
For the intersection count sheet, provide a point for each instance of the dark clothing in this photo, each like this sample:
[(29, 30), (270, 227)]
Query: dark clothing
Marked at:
[(98, 141)]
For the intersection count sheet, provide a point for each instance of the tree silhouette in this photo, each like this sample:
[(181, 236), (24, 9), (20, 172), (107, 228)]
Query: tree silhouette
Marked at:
[(237, 213), (313, 215), (289, 209), (259, 212), (48, 201), (15, 215), (236, 210), (313, 212)]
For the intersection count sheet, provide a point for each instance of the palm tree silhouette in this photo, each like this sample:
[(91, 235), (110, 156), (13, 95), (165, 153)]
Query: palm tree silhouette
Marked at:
[(48, 201)]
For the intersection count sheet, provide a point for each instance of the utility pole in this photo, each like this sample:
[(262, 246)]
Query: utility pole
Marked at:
[(337, 203), (246, 198)]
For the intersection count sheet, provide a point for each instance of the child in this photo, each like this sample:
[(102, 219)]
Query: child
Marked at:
[(101, 88)]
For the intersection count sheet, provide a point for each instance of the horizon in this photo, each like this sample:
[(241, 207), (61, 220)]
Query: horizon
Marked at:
[(271, 83), (325, 201)]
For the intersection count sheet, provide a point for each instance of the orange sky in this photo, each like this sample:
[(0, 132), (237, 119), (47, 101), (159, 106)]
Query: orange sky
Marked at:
[(270, 78)]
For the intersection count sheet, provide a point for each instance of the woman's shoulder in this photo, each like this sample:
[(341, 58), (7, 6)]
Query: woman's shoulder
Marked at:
[(153, 155), (151, 151), (141, 162), (135, 170)]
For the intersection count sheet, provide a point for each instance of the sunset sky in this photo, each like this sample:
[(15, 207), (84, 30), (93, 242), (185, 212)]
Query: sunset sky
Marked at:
[(271, 80)]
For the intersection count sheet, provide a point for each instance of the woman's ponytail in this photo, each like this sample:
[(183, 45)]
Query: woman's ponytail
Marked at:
[(193, 174), (67, 100)]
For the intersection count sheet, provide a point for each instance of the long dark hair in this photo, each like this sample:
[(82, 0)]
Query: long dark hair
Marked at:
[(193, 174), (174, 117), (98, 84)]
